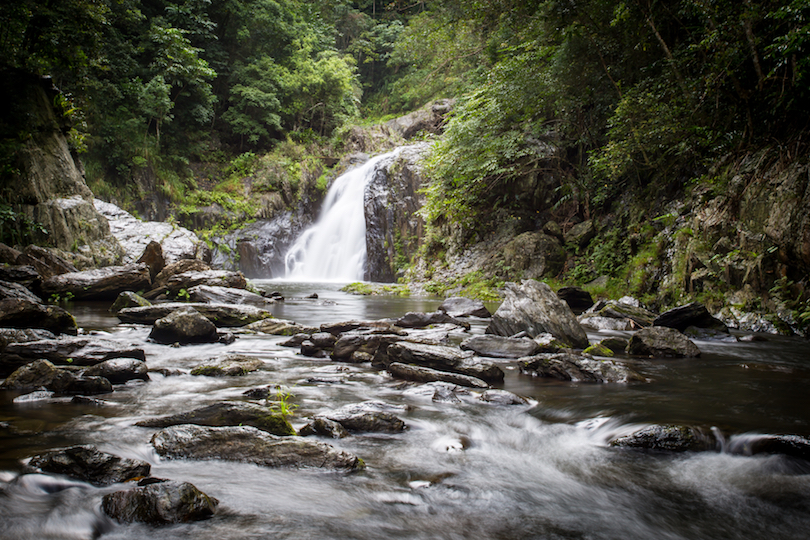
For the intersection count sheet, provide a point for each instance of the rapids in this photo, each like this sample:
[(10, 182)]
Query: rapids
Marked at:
[(463, 470)]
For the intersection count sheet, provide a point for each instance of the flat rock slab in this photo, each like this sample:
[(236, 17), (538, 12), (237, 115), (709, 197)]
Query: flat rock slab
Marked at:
[(21, 313), (578, 368), (425, 374), (464, 307), (421, 320), (228, 295), (281, 327), (159, 502), (90, 465), (662, 342), (68, 350), (213, 278), (229, 413), (669, 438), (501, 347), (444, 358), (230, 365), (250, 445), (222, 315), (99, 284)]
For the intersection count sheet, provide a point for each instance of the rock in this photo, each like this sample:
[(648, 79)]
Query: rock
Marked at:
[(325, 427), (670, 438), (227, 413), (159, 503), (350, 343), (578, 368), (577, 298), (444, 359), (179, 267), (596, 322), (428, 119), (368, 416), (502, 397), (280, 327), (212, 278), (31, 397), (500, 347), (17, 313), (247, 444), (43, 374), (46, 262), (153, 258), (128, 299), (184, 326), (323, 340), (421, 320), (598, 349), (227, 295), (550, 344), (99, 284), (22, 335), (67, 350), (788, 445), (382, 327), (25, 275), (615, 344), (580, 234), (631, 317), (693, 332), (533, 307), (90, 465), (464, 307), (9, 289), (424, 374), (230, 365), (119, 370), (8, 255), (222, 315), (662, 342), (693, 314), (534, 254), (629, 301)]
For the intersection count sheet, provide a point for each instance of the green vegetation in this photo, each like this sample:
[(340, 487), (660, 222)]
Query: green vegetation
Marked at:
[(376, 289)]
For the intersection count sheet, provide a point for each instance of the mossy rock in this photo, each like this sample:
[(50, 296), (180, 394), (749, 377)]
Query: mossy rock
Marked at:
[(229, 413), (598, 349)]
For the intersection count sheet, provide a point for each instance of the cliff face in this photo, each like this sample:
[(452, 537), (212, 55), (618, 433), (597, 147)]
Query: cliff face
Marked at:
[(42, 180)]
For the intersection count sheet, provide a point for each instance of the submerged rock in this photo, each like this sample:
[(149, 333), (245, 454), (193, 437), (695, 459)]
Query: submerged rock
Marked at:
[(788, 445), (222, 315), (228, 413), (230, 365), (250, 445), (101, 283), (159, 502), (464, 307), (20, 313), (425, 374), (184, 326), (503, 397), (532, 307), (670, 438), (501, 347), (662, 342), (579, 368), (90, 465)]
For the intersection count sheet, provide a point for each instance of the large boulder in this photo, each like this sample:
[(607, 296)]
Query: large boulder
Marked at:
[(692, 314), (424, 374), (669, 438), (247, 444), (580, 234), (444, 358), (119, 370), (500, 347), (20, 313), (87, 463), (532, 307), (458, 306), (185, 325), (662, 342), (99, 284), (227, 413), (578, 368), (159, 502), (227, 295), (222, 315)]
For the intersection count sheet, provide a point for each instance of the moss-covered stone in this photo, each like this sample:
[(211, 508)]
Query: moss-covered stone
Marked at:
[(597, 349)]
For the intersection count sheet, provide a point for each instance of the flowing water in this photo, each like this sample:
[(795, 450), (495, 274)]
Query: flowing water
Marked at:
[(463, 470)]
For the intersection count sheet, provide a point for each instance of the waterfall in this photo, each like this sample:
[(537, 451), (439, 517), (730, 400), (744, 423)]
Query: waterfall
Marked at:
[(334, 248)]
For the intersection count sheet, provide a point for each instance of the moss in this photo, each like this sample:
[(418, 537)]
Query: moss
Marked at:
[(276, 424), (599, 350)]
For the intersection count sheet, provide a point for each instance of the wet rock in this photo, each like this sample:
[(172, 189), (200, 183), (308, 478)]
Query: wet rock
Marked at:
[(25, 275), (662, 342), (87, 463), (227, 413), (8, 255), (693, 332), (578, 368), (500, 347), (503, 397), (184, 326), (365, 417), (577, 298), (323, 340), (99, 284), (280, 327), (464, 307), (788, 445), (670, 438), (222, 315), (310, 350), (43, 374), (693, 314), (32, 397), (68, 350), (352, 342), (23, 335), (324, 427), (444, 359), (119, 370), (128, 299), (159, 503), (533, 307), (227, 295), (596, 322), (598, 349), (211, 278), (247, 444), (46, 262), (424, 374), (630, 317), (9, 289), (421, 320), (615, 344), (550, 344), (230, 365), (152, 257), (384, 327), (18, 313), (179, 267)]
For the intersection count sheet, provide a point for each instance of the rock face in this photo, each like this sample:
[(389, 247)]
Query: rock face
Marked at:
[(662, 342), (88, 464), (669, 438), (464, 307), (183, 326), (532, 307), (693, 314), (159, 503), (18, 313), (230, 413), (574, 367), (249, 445), (99, 284)]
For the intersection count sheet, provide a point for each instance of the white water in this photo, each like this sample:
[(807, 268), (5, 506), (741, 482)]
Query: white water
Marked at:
[(334, 248)]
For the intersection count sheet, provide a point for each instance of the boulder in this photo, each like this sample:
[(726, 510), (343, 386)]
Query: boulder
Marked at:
[(692, 314), (99, 284), (67, 350), (615, 344), (580, 234), (128, 299), (214, 278), (444, 358), (119, 370), (464, 307), (280, 327), (159, 502), (532, 307), (368, 416), (324, 427), (43, 374), (152, 257), (179, 267), (8, 255), (598, 349), (227, 413), (22, 335), (669, 438), (184, 326), (534, 254), (248, 444), (384, 327), (18, 313), (501, 347), (350, 343), (578, 368), (90, 465), (577, 298), (606, 323), (421, 320), (630, 317), (550, 344), (662, 342), (222, 315), (503, 397), (230, 365), (227, 295), (424, 374), (10, 289)]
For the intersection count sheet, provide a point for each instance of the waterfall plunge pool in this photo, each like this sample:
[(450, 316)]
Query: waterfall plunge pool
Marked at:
[(461, 470)]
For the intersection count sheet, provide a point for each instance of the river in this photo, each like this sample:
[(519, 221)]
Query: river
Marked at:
[(461, 470)]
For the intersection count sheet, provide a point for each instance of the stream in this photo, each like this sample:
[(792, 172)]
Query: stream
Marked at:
[(460, 470)]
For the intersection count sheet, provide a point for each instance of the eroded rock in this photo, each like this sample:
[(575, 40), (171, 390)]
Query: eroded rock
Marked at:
[(228, 413), (87, 463), (159, 503)]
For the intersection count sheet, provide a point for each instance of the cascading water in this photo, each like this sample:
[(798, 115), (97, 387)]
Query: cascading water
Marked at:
[(334, 248)]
